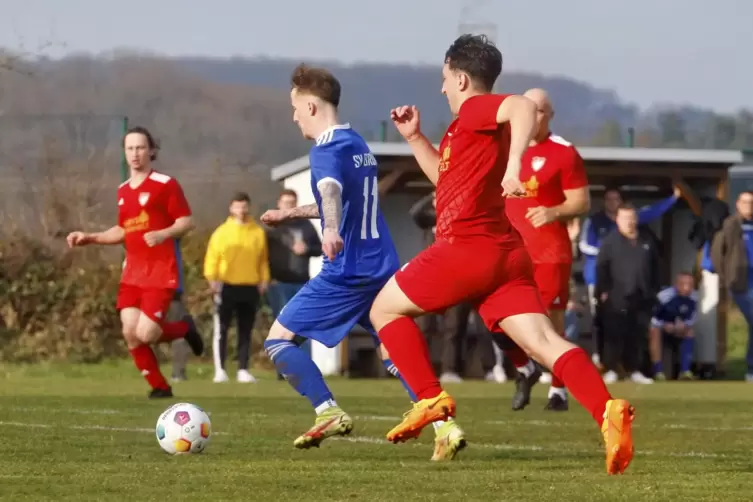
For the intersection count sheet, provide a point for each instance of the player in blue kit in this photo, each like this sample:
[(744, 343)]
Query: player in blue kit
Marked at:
[(360, 256)]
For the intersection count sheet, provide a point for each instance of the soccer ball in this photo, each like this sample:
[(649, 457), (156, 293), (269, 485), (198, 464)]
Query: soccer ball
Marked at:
[(183, 428)]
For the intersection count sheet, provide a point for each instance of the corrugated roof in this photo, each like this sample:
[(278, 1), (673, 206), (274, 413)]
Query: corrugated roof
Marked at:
[(589, 153)]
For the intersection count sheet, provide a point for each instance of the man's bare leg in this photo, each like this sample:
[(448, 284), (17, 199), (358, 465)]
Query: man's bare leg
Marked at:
[(535, 334)]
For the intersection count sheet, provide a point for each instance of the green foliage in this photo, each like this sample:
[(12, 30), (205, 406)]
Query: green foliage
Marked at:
[(57, 304)]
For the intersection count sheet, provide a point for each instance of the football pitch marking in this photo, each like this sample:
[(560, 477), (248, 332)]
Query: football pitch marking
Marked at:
[(364, 439), (387, 418)]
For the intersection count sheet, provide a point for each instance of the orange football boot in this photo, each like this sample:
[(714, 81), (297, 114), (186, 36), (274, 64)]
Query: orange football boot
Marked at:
[(423, 413), (617, 429)]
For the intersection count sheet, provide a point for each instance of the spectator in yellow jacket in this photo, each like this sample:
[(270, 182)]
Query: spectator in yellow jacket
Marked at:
[(237, 268)]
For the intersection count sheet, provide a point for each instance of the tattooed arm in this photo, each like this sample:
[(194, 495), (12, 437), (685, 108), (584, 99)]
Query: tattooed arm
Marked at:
[(332, 210), (332, 206), (308, 211)]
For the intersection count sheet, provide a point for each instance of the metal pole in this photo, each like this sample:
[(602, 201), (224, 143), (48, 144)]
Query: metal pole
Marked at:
[(123, 162), (383, 131), (631, 137)]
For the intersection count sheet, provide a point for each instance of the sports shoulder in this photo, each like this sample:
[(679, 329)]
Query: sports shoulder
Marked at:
[(559, 140)]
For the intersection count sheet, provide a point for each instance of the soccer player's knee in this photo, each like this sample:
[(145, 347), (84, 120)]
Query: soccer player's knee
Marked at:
[(147, 336), (130, 337), (280, 332)]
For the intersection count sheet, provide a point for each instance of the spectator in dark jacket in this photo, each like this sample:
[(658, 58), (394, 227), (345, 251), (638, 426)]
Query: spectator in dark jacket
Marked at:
[(732, 256), (627, 282), (292, 244)]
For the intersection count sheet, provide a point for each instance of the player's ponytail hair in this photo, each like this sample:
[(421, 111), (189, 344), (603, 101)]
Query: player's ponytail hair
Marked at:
[(153, 144)]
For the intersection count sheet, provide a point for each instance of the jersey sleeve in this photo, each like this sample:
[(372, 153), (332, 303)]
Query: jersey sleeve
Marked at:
[(573, 171), (326, 165), (177, 205), (479, 113)]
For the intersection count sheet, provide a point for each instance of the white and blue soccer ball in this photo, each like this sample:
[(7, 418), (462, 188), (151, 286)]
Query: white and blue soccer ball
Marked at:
[(183, 428)]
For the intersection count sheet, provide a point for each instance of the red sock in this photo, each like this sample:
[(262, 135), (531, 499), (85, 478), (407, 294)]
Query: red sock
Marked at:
[(173, 331), (517, 356), (409, 352), (146, 362), (556, 382), (583, 380)]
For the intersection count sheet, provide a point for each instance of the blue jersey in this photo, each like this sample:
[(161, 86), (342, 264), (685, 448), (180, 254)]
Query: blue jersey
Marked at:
[(671, 306), (368, 258)]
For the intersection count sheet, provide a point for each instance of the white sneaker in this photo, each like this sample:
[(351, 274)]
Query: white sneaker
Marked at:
[(610, 377), (640, 378), (749, 378), (595, 359), (245, 377), (220, 376), (499, 373), (545, 378), (450, 377)]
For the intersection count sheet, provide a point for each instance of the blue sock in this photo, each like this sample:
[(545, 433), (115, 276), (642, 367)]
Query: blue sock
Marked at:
[(393, 369), (687, 347), (658, 368), (299, 370)]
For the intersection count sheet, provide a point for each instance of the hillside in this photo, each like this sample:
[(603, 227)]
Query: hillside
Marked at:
[(224, 122)]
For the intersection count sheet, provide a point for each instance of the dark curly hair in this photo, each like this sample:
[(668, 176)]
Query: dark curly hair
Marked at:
[(318, 82), (476, 56)]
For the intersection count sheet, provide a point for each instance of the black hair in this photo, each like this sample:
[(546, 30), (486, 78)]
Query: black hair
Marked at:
[(478, 57), (153, 144), (241, 197)]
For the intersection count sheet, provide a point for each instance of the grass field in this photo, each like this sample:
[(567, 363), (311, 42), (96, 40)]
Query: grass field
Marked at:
[(87, 433)]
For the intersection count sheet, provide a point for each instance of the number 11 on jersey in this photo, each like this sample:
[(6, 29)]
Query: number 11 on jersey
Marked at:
[(369, 221)]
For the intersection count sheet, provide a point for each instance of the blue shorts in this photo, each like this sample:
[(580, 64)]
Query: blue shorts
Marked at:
[(327, 312)]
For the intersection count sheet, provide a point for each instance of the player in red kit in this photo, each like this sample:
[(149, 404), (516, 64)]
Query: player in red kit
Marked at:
[(478, 256), (554, 178), (152, 214)]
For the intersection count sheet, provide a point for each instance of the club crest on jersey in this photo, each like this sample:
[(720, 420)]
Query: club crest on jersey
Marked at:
[(537, 163), (444, 162), (143, 198)]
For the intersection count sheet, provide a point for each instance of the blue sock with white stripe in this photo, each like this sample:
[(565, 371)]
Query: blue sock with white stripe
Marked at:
[(301, 372), (393, 369)]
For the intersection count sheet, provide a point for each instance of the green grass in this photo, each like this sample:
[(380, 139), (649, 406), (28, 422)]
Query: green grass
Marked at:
[(86, 433)]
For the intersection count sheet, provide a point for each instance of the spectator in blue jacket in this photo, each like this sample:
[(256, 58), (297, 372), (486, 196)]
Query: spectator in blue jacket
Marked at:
[(595, 228), (673, 320)]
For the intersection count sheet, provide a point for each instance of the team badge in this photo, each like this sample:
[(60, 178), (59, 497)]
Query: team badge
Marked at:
[(537, 163), (143, 198)]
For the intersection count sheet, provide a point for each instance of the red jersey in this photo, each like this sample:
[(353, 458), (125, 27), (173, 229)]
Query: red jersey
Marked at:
[(548, 169), (473, 158), (153, 205)]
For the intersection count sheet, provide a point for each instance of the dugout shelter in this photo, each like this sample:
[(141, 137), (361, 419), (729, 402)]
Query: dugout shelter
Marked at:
[(644, 175)]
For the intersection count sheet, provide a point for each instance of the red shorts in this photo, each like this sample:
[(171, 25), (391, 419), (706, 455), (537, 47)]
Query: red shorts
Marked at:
[(152, 302), (553, 281), (498, 281)]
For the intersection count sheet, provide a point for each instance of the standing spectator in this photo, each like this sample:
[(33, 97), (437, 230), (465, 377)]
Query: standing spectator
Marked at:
[(627, 281), (292, 244), (595, 228), (732, 257), (672, 323), (237, 268)]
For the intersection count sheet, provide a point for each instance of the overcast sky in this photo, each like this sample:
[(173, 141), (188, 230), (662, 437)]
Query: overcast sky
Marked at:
[(679, 51)]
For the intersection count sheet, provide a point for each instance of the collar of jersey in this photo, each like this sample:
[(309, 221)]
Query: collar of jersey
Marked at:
[(320, 138)]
